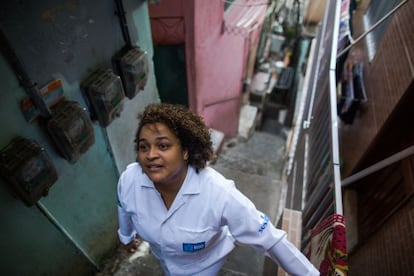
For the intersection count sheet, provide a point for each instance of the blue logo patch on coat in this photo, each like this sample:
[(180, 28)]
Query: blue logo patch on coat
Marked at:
[(264, 224), (193, 247)]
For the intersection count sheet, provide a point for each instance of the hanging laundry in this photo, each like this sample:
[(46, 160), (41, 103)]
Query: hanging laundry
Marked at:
[(352, 92)]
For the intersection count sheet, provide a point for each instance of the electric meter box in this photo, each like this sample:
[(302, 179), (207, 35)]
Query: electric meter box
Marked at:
[(132, 66), (71, 129), (104, 92), (25, 165)]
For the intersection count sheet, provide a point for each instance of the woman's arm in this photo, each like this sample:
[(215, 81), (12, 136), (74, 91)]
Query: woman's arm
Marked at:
[(126, 231), (291, 259), (250, 226)]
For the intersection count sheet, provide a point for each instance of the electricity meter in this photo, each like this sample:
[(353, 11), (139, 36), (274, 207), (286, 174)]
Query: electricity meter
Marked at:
[(71, 129), (104, 92), (132, 66), (25, 165)]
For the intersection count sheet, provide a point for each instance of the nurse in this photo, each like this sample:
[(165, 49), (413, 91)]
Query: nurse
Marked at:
[(190, 214)]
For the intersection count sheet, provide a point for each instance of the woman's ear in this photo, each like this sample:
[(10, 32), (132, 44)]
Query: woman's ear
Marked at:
[(185, 155)]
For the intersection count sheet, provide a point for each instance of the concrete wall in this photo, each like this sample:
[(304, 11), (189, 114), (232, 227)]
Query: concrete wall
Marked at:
[(219, 68), (67, 40)]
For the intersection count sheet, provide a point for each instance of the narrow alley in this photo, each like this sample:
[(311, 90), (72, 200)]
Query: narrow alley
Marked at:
[(315, 95)]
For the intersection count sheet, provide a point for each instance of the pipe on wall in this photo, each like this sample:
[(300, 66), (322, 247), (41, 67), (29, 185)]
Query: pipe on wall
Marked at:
[(373, 27), (23, 77), (378, 166), (120, 12)]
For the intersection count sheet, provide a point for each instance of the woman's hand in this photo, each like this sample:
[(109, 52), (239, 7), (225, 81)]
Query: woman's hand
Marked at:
[(132, 246)]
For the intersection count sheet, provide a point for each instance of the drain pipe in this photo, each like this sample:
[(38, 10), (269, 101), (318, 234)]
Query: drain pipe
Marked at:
[(23, 77), (120, 12)]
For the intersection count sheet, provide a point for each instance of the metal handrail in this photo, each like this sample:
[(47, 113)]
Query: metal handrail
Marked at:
[(378, 166)]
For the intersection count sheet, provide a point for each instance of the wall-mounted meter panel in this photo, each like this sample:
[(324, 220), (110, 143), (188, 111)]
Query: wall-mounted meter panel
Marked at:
[(105, 93), (71, 130), (132, 66), (28, 169)]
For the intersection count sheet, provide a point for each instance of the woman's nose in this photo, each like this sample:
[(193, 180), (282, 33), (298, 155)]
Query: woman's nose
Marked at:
[(152, 153)]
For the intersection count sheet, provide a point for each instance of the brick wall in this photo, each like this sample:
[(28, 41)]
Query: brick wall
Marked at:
[(388, 251), (391, 71)]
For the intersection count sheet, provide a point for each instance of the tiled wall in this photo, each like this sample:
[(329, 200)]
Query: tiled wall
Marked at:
[(389, 251), (292, 224), (387, 78)]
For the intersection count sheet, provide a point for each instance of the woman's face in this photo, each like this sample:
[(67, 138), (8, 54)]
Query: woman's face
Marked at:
[(161, 155)]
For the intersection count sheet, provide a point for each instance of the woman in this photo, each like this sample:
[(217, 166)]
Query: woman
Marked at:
[(189, 213)]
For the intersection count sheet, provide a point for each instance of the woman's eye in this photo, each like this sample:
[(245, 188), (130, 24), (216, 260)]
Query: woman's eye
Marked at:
[(143, 148), (163, 146)]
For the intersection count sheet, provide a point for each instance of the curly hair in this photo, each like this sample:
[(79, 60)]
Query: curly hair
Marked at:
[(189, 127)]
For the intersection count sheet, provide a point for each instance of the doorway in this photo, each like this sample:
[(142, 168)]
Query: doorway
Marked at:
[(171, 73)]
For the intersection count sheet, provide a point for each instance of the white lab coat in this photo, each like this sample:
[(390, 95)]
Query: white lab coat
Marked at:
[(198, 231)]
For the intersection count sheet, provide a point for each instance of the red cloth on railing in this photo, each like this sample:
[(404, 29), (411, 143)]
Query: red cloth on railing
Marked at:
[(328, 246)]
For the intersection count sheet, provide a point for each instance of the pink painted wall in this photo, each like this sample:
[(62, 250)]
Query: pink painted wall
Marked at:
[(216, 59), (220, 67)]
